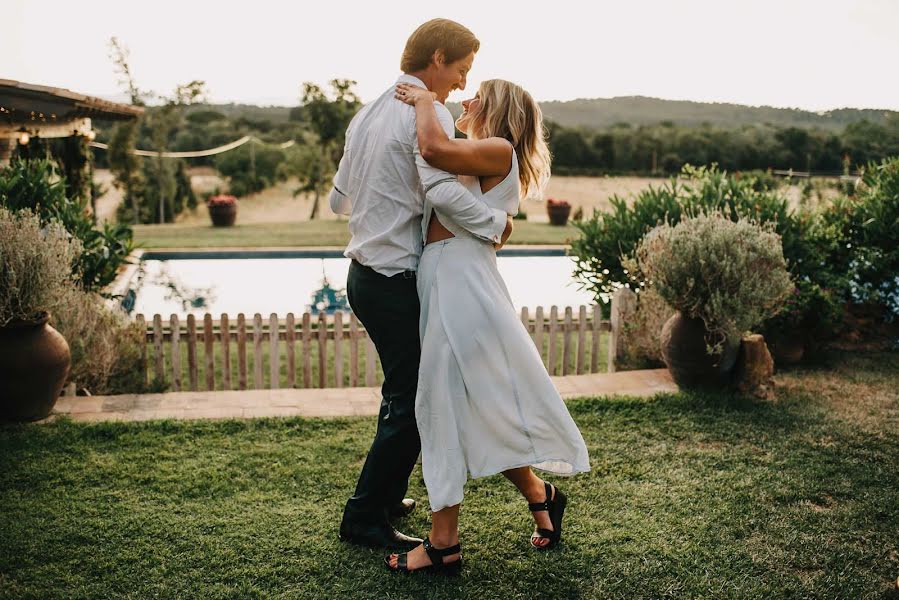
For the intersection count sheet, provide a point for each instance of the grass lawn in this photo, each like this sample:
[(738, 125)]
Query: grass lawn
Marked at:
[(690, 495), (304, 233)]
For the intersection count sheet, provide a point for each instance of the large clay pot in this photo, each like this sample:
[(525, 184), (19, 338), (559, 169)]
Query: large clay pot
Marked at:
[(558, 213), (683, 345), (223, 215), (787, 350), (34, 362)]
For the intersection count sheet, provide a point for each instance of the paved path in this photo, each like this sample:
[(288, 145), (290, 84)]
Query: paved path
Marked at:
[(330, 402)]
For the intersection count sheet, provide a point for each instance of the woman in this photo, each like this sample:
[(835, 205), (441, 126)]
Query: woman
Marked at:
[(485, 403)]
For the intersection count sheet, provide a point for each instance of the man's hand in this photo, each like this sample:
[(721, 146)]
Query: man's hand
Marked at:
[(506, 233)]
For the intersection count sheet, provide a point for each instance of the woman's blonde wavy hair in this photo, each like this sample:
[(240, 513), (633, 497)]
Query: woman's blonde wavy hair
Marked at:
[(508, 111)]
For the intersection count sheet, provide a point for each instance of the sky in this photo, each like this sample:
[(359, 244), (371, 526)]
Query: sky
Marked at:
[(810, 54)]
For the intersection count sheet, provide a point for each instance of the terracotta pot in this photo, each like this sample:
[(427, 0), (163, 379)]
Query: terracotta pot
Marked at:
[(683, 345), (34, 362), (223, 215), (558, 214), (787, 350)]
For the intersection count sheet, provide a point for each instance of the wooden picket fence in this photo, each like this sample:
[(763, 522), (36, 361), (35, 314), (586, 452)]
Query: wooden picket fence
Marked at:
[(324, 351)]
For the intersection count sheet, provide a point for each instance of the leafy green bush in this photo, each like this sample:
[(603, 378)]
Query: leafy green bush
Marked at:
[(607, 236), (812, 313), (35, 184), (35, 265), (105, 345), (250, 169), (700, 267), (762, 181), (872, 236)]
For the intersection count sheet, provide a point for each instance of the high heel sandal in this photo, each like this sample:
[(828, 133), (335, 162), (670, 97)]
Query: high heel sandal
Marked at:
[(555, 505), (437, 566)]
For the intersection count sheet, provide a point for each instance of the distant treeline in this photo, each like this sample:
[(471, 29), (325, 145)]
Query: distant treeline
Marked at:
[(601, 113), (664, 148), (640, 135)]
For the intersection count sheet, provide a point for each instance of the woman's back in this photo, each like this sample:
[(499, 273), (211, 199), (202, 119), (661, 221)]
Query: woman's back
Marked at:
[(503, 194)]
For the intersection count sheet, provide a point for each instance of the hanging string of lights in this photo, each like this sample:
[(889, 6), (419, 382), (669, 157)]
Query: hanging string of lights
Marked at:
[(198, 153)]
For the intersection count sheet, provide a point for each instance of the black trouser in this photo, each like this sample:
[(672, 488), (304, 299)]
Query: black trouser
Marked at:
[(388, 308)]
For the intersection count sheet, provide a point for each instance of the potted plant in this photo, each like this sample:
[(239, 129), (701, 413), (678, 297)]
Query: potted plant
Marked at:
[(722, 277), (558, 211), (35, 273), (810, 317), (222, 210)]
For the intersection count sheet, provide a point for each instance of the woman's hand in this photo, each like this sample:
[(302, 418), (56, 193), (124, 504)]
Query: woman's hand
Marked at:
[(412, 94)]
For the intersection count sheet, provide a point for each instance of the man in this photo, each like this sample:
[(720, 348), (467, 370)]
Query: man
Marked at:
[(381, 183)]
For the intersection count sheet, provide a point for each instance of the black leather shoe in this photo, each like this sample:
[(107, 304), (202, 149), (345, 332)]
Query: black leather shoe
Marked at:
[(401, 509), (377, 536)]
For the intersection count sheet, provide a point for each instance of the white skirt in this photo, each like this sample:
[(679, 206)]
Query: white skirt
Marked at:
[(485, 402)]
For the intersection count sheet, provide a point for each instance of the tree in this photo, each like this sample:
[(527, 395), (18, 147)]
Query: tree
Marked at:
[(124, 164), (162, 121), (311, 167), (250, 168), (570, 149), (328, 116)]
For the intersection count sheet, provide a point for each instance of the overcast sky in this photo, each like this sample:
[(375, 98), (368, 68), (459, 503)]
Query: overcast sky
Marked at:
[(811, 54)]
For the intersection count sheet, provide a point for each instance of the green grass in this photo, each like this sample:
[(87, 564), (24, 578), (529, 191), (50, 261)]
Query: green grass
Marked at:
[(308, 233), (690, 495)]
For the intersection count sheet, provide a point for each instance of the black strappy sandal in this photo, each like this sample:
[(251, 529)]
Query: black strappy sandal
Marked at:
[(437, 566), (556, 508)]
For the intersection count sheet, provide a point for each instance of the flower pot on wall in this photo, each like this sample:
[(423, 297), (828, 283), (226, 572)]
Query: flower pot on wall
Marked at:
[(787, 349), (558, 211), (34, 362), (683, 345), (222, 210)]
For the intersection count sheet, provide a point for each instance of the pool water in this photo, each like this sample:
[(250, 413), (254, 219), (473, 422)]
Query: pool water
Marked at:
[(282, 285)]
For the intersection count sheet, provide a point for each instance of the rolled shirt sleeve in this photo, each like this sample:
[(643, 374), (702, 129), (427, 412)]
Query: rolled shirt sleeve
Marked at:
[(341, 204), (340, 201)]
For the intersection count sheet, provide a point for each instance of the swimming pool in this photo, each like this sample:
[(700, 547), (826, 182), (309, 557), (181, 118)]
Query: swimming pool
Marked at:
[(279, 282)]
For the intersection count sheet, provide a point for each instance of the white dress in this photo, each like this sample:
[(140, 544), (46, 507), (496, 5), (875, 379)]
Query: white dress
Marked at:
[(485, 402)]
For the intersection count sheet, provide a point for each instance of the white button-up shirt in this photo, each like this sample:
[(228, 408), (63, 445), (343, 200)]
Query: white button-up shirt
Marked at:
[(382, 183)]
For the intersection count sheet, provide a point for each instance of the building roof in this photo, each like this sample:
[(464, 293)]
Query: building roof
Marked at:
[(29, 104)]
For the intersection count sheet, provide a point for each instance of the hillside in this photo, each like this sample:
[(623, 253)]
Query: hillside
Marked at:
[(600, 113)]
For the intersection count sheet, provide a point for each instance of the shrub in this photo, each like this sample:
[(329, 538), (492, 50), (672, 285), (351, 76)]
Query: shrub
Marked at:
[(221, 200), (870, 226), (105, 345), (607, 236), (761, 181), (641, 331), (250, 170), (35, 265), (810, 311), (36, 185), (700, 266)]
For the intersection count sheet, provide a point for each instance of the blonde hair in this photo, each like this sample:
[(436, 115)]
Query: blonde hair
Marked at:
[(508, 111), (454, 39)]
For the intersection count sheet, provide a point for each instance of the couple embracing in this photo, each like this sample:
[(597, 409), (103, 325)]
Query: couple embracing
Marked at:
[(463, 383)]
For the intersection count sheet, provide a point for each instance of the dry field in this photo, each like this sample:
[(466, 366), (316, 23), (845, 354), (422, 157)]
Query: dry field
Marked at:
[(278, 205)]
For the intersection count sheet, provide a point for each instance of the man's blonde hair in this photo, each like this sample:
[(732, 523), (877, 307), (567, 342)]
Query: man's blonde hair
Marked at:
[(508, 111), (454, 39)]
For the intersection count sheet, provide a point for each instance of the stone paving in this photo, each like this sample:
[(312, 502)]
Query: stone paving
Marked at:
[(328, 402)]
